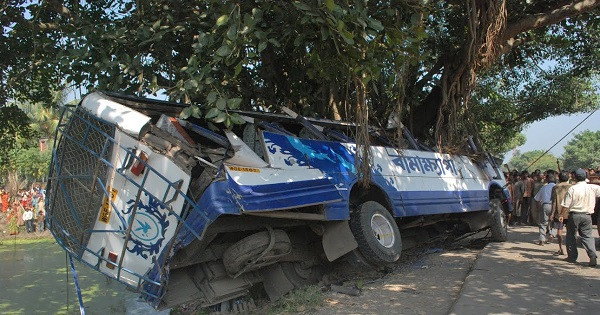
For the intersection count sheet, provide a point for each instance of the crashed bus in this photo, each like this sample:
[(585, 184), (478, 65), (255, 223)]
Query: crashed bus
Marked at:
[(180, 212)]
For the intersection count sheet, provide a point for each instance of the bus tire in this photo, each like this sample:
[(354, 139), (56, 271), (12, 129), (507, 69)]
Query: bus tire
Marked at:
[(300, 274), (499, 222), (243, 253), (376, 233)]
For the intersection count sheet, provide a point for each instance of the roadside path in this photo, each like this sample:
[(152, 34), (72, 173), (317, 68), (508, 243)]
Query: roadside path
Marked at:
[(520, 277)]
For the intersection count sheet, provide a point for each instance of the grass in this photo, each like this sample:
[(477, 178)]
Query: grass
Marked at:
[(10, 241), (301, 300)]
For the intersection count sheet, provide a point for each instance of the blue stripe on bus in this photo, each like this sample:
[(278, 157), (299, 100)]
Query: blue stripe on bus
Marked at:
[(415, 203), (285, 195)]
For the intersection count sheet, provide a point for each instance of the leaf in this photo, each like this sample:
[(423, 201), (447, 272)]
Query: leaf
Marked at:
[(262, 46), (302, 6), (232, 32), (237, 119), (185, 113), (234, 103), (196, 112), (190, 84), (223, 51), (220, 118), (375, 24), (212, 113), (156, 25), (222, 20), (221, 103), (330, 4), (211, 97), (348, 37), (274, 42), (324, 33), (238, 69)]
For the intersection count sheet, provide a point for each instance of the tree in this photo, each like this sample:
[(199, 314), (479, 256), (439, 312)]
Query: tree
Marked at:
[(14, 125), (582, 151), (446, 68), (521, 162)]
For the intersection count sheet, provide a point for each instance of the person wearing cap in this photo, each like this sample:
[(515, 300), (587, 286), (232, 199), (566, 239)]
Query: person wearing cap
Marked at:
[(580, 201)]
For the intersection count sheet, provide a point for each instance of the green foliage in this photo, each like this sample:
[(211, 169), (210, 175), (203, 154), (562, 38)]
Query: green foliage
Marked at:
[(583, 151), (14, 127), (24, 124), (498, 140), (312, 56), (33, 163), (521, 162)]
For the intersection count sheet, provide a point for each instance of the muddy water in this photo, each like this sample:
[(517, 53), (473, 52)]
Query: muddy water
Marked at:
[(33, 280)]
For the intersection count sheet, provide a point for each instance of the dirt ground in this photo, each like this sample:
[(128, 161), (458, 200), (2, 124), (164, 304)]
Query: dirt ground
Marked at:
[(427, 280)]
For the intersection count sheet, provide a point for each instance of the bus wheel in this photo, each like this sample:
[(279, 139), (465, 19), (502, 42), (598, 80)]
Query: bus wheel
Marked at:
[(256, 251), (498, 221), (301, 274), (376, 233)]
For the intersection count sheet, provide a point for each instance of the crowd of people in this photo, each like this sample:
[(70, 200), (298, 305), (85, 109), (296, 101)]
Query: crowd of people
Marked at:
[(555, 201), (23, 211)]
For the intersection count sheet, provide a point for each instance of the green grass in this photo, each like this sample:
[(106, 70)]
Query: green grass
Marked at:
[(10, 241), (301, 300)]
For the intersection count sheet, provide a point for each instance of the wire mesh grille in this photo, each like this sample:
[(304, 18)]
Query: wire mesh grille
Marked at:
[(76, 165)]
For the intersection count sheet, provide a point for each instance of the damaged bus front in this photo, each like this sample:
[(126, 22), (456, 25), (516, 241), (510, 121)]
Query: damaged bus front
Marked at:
[(180, 213)]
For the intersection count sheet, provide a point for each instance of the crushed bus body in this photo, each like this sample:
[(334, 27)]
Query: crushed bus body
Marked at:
[(180, 212)]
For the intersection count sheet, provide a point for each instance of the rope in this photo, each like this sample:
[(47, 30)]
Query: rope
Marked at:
[(561, 139), (67, 275), (81, 308)]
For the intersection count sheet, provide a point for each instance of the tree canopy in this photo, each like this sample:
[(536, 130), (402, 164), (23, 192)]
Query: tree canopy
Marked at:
[(522, 161), (582, 151), (445, 68)]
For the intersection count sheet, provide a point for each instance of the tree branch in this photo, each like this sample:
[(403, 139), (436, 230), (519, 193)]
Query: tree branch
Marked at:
[(547, 18)]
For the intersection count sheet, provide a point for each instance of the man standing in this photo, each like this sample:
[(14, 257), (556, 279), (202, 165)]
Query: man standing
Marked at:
[(544, 197), (28, 218), (560, 214), (580, 200), (518, 189), (527, 194), (536, 211)]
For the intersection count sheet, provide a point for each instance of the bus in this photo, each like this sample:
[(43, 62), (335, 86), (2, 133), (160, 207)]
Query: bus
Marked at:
[(181, 210)]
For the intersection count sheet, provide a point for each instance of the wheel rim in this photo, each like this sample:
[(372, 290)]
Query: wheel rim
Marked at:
[(382, 230)]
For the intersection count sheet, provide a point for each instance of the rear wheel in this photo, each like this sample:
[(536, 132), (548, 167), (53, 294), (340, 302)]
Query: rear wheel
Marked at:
[(301, 274), (376, 233), (499, 221)]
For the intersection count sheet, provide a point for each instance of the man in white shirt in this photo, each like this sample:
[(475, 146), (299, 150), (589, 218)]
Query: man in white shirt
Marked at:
[(580, 200), (544, 197), (28, 218)]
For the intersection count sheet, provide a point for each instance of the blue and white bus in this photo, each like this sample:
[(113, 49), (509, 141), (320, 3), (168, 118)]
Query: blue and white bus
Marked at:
[(180, 212)]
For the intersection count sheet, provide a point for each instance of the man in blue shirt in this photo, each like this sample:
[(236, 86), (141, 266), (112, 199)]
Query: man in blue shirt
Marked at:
[(544, 197)]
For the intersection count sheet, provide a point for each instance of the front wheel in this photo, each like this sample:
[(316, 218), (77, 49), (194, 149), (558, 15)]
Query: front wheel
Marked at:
[(498, 222), (376, 233)]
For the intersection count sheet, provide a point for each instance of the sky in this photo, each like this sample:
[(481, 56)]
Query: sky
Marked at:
[(543, 134)]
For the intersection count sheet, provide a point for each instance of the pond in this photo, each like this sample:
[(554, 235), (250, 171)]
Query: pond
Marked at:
[(34, 280)]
